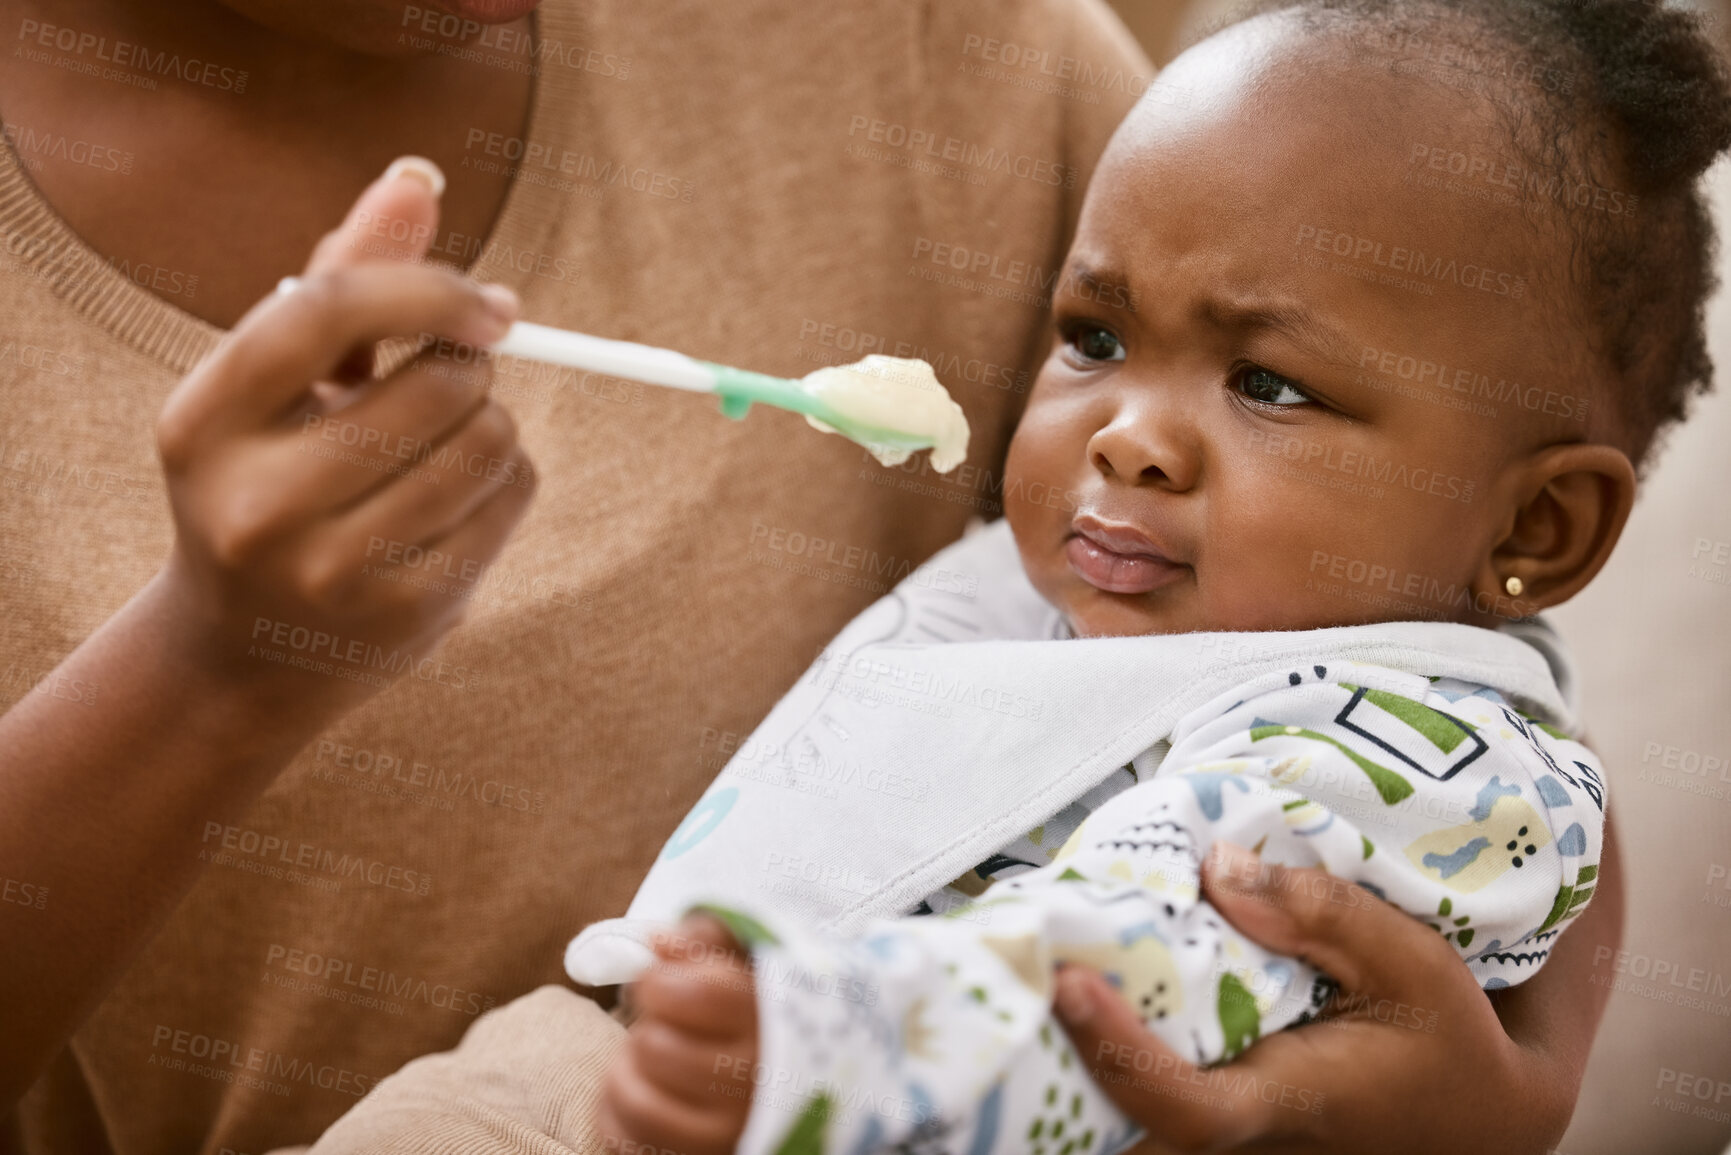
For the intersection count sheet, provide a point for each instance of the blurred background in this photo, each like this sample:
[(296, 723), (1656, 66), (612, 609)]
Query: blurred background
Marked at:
[(1652, 637)]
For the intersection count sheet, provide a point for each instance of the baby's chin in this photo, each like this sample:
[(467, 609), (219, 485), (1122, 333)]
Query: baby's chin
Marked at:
[(1092, 613), (1085, 630), (1098, 615)]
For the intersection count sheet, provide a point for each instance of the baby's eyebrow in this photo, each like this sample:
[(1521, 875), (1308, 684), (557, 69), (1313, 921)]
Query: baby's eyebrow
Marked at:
[(1286, 317), (1092, 279)]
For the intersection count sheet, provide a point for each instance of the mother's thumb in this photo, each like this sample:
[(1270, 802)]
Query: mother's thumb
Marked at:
[(1368, 946), (394, 219)]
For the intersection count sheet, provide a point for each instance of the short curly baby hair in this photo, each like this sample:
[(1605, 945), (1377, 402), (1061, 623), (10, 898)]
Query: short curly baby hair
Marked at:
[(1634, 96)]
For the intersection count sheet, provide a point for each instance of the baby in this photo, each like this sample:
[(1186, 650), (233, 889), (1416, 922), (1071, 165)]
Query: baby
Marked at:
[(1368, 324)]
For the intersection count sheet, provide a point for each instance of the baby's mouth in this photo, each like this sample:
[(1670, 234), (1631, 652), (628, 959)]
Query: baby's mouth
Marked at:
[(1118, 558)]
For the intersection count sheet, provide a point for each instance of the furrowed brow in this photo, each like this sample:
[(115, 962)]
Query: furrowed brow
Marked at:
[(1090, 282), (1290, 319)]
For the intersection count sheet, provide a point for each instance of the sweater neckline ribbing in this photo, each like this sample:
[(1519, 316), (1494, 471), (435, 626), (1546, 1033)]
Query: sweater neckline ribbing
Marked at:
[(42, 244)]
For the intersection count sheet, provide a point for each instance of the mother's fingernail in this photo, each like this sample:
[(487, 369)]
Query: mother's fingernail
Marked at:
[(502, 306), (1075, 996), (419, 168), (502, 302)]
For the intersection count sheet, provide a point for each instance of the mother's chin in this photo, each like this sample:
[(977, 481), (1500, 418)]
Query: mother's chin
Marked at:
[(383, 29), (489, 11)]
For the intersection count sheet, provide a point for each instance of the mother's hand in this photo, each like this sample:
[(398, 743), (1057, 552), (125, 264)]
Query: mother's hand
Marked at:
[(313, 504), (1412, 1058), (285, 465)]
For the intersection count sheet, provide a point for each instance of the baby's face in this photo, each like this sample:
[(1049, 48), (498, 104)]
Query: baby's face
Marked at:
[(1288, 376)]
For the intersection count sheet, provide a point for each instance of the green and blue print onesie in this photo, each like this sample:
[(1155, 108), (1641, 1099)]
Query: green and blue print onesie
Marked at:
[(1429, 763)]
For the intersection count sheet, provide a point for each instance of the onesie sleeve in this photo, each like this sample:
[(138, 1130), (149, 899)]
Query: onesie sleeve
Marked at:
[(1438, 796)]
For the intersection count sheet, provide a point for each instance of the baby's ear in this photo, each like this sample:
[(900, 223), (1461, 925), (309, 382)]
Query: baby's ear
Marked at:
[(1569, 506)]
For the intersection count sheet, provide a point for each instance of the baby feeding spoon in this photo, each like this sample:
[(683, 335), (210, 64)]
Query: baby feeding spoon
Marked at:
[(893, 406), (890, 405)]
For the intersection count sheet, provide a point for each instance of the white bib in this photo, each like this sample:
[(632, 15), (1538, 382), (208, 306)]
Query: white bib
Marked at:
[(951, 717)]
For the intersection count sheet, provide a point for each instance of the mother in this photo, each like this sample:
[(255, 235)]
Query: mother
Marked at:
[(242, 888)]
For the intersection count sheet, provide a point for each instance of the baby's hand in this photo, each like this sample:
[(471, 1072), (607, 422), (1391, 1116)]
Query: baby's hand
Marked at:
[(683, 1082)]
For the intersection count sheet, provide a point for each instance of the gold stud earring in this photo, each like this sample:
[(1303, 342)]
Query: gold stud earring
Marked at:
[(1514, 585)]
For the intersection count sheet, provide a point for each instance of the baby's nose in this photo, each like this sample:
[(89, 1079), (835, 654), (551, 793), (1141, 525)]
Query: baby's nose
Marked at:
[(1141, 448)]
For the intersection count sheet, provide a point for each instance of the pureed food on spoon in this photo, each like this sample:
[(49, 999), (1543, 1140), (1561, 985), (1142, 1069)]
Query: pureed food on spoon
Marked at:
[(897, 395)]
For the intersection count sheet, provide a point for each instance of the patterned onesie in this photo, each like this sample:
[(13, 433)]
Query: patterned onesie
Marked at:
[(935, 1033)]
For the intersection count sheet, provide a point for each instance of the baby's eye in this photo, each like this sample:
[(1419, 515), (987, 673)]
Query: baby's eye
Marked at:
[(1270, 388), (1093, 343)]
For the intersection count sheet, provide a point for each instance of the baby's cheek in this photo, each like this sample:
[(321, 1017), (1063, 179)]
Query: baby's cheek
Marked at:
[(1267, 549), (1041, 475), (1349, 558)]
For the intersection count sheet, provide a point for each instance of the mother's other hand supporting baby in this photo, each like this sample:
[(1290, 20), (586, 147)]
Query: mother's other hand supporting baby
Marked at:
[(1413, 1055)]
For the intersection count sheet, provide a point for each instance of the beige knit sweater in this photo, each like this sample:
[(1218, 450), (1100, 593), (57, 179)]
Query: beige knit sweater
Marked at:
[(767, 183)]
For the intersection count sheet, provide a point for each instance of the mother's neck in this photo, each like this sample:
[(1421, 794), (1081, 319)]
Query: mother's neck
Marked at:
[(248, 127)]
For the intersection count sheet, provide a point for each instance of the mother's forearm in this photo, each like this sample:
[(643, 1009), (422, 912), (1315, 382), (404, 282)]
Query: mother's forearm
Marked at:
[(110, 776), (1555, 1014)]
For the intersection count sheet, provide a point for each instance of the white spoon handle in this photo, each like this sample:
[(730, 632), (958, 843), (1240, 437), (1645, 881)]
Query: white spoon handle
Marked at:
[(643, 363), (598, 354)]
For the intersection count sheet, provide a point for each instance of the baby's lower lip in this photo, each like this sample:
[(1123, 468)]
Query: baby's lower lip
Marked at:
[(1119, 573)]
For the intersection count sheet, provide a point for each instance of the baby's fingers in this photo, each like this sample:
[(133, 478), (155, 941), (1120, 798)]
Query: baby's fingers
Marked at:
[(700, 935), (635, 1111), (712, 1000), (709, 1073)]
